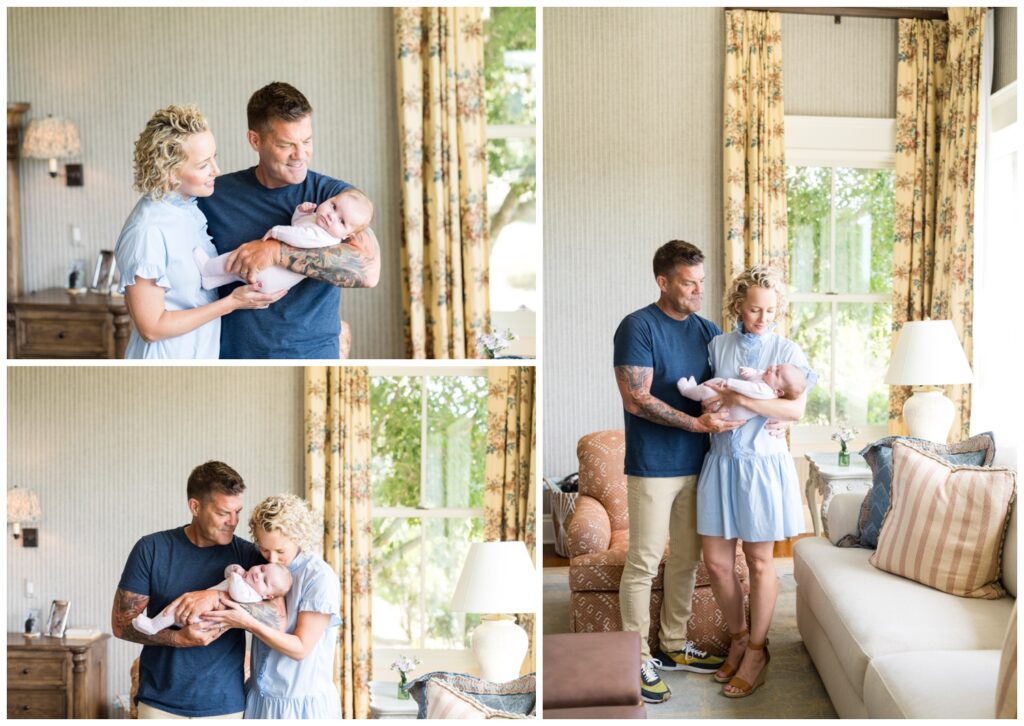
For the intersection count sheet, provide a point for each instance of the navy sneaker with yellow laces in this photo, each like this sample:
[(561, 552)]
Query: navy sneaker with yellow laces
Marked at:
[(689, 658), (652, 688)]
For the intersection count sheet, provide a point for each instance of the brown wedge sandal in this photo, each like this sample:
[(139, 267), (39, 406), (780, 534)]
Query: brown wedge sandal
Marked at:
[(747, 688), (727, 670)]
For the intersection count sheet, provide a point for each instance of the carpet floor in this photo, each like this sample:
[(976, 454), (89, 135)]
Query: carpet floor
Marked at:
[(792, 689)]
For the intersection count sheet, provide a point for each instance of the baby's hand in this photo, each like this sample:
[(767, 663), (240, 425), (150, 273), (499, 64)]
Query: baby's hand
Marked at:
[(748, 373), (307, 207), (234, 570)]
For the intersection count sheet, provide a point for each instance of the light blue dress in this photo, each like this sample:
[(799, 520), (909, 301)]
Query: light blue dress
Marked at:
[(748, 487), (156, 243), (284, 688)]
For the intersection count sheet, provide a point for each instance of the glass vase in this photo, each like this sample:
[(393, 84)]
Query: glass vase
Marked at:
[(844, 458), (403, 688)]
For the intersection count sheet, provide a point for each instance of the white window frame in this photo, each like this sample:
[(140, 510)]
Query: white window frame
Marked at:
[(460, 659), (860, 143), (522, 322)]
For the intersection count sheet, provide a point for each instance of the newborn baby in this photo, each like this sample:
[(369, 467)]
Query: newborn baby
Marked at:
[(262, 582), (329, 224), (784, 380)]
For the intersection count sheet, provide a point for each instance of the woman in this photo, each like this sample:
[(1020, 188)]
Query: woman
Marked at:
[(174, 316), (748, 487), (290, 670)]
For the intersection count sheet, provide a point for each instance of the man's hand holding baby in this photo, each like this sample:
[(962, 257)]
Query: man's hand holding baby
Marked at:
[(253, 257)]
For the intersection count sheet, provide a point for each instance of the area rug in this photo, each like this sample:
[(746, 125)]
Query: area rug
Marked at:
[(792, 690)]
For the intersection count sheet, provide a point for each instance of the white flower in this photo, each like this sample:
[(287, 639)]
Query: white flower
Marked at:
[(404, 664), (490, 344)]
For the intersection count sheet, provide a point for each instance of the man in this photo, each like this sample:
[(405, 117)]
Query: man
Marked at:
[(194, 672), (666, 439), (305, 323)]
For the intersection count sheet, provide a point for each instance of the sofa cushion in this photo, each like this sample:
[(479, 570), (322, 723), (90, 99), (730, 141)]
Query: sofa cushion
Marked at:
[(517, 696), (1006, 684), (868, 613), (946, 525), (445, 701), (932, 684), (584, 670), (975, 451)]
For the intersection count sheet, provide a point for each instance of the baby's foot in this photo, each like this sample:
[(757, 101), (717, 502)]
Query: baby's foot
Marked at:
[(211, 280), (685, 384)]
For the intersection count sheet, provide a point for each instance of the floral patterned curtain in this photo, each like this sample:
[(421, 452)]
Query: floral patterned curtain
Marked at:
[(442, 129), (937, 104), (337, 444), (510, 468), (754, 170)]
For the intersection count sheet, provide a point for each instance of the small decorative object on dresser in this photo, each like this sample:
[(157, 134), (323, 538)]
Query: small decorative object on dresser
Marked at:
[(58, 619), (827, 478), (844, 436), (56, 677), (103, 273), (404, 665)]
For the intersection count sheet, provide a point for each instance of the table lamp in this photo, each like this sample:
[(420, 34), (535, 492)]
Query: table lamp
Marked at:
[(498, 579), (928, 353)]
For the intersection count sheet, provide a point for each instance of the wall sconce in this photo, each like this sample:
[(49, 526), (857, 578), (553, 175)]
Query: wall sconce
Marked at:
[(54, 138), (23, 506)]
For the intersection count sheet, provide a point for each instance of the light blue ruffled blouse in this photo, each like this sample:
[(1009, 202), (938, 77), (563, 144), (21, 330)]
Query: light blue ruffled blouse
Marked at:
[(156, 243), (281, 687)]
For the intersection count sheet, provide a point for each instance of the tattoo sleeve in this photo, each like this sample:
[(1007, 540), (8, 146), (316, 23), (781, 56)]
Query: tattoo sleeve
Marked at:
[(635, 387), (270, 613), (128, 605), (350, 264)]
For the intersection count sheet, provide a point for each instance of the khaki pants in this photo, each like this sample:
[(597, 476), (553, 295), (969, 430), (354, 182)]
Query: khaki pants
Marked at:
[(147, 711), (660, 509)]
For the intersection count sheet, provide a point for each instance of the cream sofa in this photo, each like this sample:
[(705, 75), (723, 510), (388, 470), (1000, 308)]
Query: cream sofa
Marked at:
[(888, 647)]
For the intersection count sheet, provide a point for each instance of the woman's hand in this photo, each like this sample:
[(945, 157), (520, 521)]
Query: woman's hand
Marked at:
[(250, 297), (233, 616)]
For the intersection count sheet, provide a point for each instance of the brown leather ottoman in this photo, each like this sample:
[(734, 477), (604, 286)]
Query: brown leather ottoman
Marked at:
[(592, 675)]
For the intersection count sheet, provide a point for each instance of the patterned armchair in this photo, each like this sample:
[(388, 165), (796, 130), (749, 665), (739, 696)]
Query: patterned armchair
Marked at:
[(598, 540)]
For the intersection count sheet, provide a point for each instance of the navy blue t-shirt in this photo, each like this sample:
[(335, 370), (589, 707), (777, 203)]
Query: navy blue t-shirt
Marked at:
[(198, 681), (674, 349), (305, 323)]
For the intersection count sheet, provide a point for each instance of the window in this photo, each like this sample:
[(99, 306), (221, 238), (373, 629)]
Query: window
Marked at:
[(427, 475), (510, 64), (840, 195)]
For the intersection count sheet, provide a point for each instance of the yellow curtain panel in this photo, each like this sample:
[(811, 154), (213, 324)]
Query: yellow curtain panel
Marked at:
[(442, 131)]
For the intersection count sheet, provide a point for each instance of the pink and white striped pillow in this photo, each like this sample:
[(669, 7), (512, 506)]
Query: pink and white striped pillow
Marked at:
[(946, 524)]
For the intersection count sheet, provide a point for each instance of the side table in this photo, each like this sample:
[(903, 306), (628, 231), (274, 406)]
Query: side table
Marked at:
[(53, 323), (384, 701), (827, 478)]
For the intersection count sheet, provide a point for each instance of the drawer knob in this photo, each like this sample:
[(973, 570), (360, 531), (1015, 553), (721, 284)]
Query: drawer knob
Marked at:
[(25, 671), (26, 707), (61, 335)]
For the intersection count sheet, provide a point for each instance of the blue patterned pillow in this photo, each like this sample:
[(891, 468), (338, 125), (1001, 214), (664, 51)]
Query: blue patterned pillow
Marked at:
[(978, 450), (518, 696)]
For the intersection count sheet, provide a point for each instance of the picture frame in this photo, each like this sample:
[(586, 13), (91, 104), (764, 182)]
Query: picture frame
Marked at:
[(103, 272), (57, 623)]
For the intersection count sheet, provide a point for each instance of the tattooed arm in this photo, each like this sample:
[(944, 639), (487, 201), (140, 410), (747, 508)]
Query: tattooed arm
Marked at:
[(635, 388), (353, 263), (128, 605)]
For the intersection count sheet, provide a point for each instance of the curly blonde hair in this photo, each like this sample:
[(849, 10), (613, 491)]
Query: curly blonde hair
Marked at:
[(756, 276), (159, 149), (292, 517)]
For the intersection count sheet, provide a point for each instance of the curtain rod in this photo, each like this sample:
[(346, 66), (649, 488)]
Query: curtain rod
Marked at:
[(837, 13)]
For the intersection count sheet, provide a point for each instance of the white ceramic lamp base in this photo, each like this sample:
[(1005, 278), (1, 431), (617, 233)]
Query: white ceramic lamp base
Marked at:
[(499, 646), (929, 415)]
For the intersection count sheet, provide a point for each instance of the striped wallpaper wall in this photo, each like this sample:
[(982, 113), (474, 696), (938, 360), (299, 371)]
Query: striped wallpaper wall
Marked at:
[(109, 451), (108, 69)]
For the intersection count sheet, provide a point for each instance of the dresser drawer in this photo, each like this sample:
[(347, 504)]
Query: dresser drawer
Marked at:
[(50, 703), (30, 672), (42, 334)]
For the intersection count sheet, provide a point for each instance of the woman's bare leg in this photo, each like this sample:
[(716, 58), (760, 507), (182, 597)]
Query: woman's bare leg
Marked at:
[(720, 559), (764, 589)]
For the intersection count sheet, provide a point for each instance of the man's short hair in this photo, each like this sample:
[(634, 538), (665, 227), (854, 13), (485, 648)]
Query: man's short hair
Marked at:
[(214, 477), (276, 102), (676, 252)]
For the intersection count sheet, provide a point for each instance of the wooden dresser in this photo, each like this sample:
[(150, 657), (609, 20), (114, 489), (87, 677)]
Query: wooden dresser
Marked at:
[(56, 677), (55, 324)]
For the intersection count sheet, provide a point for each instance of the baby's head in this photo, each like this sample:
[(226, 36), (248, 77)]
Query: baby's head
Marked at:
[(786, 379), (345, 214), (269, 581)]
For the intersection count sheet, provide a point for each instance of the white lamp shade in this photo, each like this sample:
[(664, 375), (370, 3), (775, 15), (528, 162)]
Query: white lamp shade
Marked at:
[(51, 138), (23, 506), (498, 577), (928, 353)]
